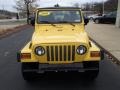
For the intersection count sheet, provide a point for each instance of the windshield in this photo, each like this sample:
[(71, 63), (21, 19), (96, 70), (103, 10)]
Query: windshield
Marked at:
[(71, 16), (112, 14)]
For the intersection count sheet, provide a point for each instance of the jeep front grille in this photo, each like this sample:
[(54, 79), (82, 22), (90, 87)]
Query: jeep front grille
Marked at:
[(60, 53)]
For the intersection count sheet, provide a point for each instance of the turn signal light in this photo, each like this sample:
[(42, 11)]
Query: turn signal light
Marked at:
[(25, 56), (95, 54)]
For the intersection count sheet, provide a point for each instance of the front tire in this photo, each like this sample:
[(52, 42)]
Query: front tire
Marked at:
[(91, 18), (97, 21), (91, 70), (29, 71), (91, 75)]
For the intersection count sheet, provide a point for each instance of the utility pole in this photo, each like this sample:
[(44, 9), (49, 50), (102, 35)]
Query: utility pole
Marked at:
[(103, 7), (3, 7), (118, 15)]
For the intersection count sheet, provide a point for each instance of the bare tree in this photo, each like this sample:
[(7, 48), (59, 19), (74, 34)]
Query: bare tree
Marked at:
[(26, 6), (111, 5), (76, 4), (87, 6)]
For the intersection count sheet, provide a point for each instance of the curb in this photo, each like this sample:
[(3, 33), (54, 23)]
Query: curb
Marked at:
[(112, 57), (9, 32)]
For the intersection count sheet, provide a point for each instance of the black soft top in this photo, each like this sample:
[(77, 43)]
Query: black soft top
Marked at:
[(59, 8)]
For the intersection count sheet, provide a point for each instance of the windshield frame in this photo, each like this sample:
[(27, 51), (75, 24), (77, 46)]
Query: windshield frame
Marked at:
[(59, 22)]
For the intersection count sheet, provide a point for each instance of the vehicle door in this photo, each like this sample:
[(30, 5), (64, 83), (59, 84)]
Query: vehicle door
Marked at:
[(108, 18), (113, 17)]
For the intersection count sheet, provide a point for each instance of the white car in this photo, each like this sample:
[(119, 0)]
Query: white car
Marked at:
[(92, 17)]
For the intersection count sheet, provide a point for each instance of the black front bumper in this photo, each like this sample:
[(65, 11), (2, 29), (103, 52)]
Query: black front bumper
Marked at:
[(65, 68), (79, 67), (61, 67)]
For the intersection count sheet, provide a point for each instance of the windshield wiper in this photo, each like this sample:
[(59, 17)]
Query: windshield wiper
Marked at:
[(48, 22), (66, 22)]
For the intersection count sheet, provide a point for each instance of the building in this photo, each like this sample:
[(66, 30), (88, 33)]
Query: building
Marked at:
[(118, 15)]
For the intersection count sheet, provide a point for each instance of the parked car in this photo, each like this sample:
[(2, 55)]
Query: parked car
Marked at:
[(92, 17), (108, 18)]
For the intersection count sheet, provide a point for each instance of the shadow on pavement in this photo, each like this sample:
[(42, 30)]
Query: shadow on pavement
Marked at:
[(61, 80)]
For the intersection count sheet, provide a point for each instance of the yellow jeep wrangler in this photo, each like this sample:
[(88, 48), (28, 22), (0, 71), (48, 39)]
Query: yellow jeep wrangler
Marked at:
[(59, 43)]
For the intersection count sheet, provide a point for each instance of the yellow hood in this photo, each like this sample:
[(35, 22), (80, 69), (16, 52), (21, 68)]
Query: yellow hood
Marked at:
[(59, 34)]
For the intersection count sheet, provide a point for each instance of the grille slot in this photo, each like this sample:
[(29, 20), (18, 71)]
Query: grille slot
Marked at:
[(60, 53), (69, 53), (48, 53), (73, 53), (56, 53), (52, 53), (65, 53)]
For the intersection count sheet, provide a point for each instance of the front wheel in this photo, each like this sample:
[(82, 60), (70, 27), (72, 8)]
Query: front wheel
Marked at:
[(29, 76), (91, 70), (91, 74), (29, 71), (97, 21), (91, 18)]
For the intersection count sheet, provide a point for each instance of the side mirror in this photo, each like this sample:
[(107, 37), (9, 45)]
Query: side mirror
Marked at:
[(32, 21), (86, 21)]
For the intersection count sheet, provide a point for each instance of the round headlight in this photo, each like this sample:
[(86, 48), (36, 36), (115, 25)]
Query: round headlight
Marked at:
[(39, 51), (81, 50)]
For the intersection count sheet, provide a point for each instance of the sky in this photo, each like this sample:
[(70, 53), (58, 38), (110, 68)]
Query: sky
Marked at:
[(9, 4)]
